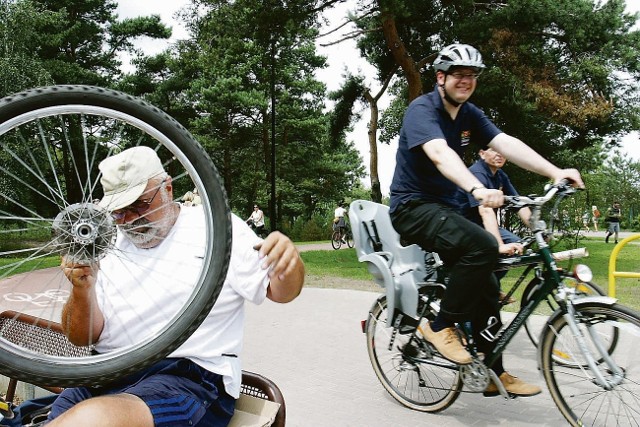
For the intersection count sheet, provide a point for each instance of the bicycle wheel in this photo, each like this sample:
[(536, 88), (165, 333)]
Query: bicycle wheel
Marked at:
[(336, 241), (417, 385), (535, 323), (574, 388), (51, 142), (349, 239)]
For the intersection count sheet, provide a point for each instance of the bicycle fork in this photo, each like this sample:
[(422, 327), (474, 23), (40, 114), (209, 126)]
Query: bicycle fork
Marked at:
[(599, 379)]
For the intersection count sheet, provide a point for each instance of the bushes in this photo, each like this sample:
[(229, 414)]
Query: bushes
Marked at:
[(14, 237), (316, 228)]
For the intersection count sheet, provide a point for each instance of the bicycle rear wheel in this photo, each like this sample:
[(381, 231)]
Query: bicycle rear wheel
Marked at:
[(535, 323), (417, 385), (336, 241), (574, 387), (51, 142)]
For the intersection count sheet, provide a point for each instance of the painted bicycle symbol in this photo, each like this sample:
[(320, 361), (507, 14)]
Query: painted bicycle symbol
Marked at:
[(41, 299)]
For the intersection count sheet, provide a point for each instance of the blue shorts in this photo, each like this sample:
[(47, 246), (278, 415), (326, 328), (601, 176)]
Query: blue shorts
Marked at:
[(177, 391)]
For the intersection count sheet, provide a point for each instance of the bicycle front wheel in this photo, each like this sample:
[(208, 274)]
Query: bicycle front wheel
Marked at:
[(349, 238), (535, 323), (336, 241), (51, 142), (416, 384), (575, 388)]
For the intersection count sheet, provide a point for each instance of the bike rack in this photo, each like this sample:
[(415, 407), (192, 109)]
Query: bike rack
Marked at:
[(613, 274)]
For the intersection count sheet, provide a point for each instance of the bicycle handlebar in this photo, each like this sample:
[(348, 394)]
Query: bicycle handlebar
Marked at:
[(518, 202)]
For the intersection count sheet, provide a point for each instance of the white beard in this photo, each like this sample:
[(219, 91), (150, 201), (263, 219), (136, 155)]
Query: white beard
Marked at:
[(146, 234)]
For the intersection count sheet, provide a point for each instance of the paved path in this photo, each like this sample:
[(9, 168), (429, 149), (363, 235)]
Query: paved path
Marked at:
[(314, 349)]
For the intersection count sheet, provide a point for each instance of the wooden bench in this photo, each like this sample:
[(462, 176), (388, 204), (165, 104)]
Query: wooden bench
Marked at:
[(261, 402)]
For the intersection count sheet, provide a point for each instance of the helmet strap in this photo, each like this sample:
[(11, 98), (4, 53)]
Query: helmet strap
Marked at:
[(448, 98)]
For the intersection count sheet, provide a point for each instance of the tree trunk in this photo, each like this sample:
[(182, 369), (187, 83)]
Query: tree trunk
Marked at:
[(376, 194), (401, 55)]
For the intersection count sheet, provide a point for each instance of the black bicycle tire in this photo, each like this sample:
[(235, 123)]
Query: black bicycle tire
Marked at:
[(27, 367), (526, 295), (336, 243), (349, 238), (547, 359), (450, 397)]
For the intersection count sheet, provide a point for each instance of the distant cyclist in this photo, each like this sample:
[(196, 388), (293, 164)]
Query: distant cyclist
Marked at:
[(256, 220), (339, 222)]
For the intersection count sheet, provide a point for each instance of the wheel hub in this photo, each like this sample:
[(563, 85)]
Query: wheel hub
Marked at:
[(83, 233)]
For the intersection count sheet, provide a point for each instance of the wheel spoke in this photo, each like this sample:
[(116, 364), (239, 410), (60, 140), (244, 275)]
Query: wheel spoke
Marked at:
[(418, 385), (574, 387), (52, 141)]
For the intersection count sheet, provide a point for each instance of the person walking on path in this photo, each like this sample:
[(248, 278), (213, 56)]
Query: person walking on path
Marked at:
[(586, 218), (613, 216), (595, 217)]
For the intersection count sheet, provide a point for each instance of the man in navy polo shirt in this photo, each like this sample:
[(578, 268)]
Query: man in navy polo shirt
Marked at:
[(488, 170), (436, 130)]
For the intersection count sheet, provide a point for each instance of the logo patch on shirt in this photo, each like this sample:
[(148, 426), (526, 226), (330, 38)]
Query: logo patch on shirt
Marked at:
[(465, 137)]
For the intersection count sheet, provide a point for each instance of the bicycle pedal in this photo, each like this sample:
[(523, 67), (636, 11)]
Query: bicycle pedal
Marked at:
[(501, 390), (509, 396)]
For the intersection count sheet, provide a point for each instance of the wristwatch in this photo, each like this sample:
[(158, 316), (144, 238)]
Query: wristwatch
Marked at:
[(476, 187)]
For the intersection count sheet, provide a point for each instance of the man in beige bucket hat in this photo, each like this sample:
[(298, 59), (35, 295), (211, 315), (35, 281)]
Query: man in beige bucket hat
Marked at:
[(117, 302), (138, 193), (125, 176)]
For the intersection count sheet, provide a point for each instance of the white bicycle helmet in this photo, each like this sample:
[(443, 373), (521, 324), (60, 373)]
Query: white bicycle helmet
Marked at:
[(458, 55)]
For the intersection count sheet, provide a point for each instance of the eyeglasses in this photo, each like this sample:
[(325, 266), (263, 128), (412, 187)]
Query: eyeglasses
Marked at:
[(139, 207), (459, 76)]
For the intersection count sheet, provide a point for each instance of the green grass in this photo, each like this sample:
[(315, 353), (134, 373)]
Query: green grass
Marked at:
[(343, 263), (11, 266), (628, 260)]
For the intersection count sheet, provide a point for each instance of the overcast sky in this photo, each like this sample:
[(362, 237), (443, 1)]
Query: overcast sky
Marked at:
[(344, 55)]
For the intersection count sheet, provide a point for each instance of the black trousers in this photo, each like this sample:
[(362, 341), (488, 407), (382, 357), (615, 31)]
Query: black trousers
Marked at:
[(469, 252)]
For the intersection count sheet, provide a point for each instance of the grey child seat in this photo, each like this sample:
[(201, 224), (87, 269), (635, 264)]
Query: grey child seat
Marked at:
[(399, 269)]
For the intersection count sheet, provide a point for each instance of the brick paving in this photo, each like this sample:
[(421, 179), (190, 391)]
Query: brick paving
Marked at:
[(314, 349)]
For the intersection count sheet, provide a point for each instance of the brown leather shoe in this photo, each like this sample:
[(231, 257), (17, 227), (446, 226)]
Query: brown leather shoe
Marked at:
[(513, 385), (447, 343)]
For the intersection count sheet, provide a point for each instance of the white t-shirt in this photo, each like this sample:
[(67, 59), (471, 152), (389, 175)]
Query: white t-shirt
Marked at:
[(140, 289)]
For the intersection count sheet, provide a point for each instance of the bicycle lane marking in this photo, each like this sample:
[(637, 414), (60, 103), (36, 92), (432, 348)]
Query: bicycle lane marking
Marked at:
[(34, 291), (41, 299)]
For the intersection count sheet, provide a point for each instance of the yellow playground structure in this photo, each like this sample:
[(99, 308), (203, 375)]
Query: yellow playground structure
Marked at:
[(613, 273)]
